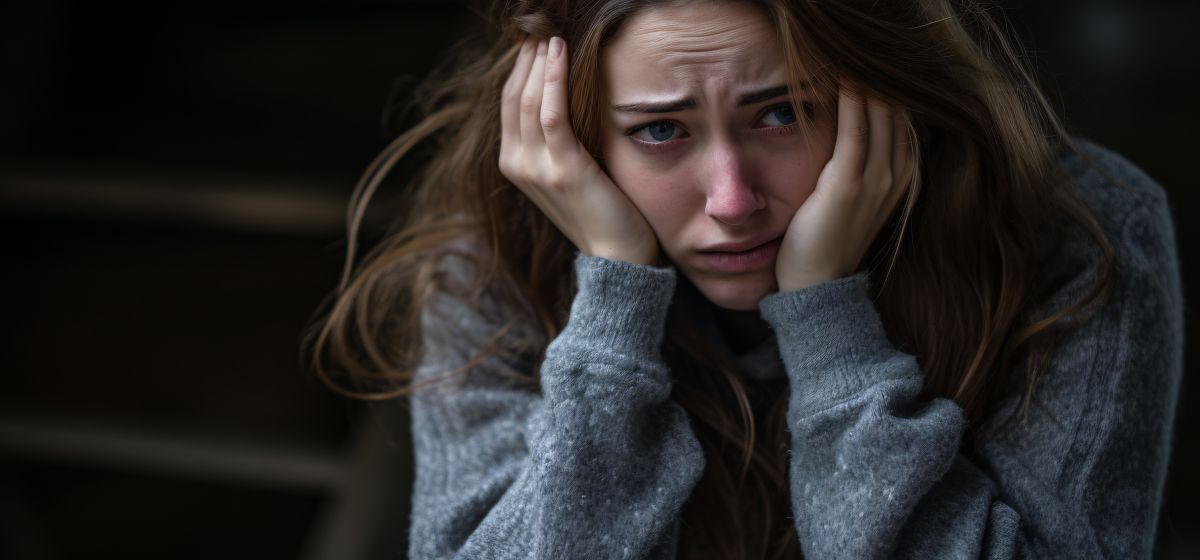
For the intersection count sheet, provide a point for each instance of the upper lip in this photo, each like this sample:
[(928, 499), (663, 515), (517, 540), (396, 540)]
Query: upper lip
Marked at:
[(740, 246)]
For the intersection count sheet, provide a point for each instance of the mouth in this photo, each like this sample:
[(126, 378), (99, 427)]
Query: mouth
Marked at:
[(740, 256)]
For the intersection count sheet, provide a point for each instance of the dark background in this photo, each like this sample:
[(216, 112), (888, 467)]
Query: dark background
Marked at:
[(173, 180)]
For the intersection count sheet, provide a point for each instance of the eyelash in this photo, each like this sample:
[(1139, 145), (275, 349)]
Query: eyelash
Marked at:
[(773, 130), (652, 146)]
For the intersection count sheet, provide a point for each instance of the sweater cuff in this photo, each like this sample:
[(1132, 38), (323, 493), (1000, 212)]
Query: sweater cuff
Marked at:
[(832, 341), (620, 307)]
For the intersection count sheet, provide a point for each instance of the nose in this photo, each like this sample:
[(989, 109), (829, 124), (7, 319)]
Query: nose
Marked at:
[(732, 198)]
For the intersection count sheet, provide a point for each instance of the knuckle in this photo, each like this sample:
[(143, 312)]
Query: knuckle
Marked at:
[(528, 104), (550, 119), (509, 167)]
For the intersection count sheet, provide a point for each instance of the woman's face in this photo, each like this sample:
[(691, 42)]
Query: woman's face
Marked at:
[(700, 134)]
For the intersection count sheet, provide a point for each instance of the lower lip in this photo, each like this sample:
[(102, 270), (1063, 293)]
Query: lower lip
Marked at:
[(743, 261)]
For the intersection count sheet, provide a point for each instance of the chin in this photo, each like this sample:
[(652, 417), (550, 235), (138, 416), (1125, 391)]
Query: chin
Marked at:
[(741, 293)]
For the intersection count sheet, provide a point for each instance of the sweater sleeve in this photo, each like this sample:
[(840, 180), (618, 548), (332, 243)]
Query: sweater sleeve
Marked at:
[(877, 472), (597, 466)]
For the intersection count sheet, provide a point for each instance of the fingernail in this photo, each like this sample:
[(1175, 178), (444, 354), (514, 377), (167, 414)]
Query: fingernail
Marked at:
[(556, 46)]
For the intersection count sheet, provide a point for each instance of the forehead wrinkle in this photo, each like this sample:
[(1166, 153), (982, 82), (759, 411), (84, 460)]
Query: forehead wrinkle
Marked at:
[(711, 39), (696, 51)]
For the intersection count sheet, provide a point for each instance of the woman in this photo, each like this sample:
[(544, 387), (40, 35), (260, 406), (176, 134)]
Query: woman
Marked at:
[(733, 279)]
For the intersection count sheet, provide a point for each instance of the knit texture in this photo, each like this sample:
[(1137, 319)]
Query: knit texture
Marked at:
[(600, 463)]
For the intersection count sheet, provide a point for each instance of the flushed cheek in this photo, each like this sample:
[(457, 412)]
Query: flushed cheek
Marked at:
[(663, 199), (790, 180)]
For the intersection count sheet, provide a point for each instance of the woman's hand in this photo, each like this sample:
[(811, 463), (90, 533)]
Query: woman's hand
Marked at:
[(540, 154), (856, 192)]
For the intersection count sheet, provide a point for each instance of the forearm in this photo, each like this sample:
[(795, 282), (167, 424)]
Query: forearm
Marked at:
[(877, 471), (606, 459), (865, 451)]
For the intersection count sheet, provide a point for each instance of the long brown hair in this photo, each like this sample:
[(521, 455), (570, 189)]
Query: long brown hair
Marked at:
[(955, 274)]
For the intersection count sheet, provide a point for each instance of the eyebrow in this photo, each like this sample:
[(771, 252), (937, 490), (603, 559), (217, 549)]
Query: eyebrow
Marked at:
[(673, 106)]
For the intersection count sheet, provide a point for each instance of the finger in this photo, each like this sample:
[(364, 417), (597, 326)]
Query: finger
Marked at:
[(531, 100), (510, 96), (878, 170), (554, 118), (850, 149)]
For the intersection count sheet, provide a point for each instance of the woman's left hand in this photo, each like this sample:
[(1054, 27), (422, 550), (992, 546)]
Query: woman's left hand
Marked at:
[(855, 194)]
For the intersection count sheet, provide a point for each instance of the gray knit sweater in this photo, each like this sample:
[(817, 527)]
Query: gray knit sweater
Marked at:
[(599, 464)]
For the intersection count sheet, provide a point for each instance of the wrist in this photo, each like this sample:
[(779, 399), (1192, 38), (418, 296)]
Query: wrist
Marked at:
[(794, 282), (620, 306), (647, 255)]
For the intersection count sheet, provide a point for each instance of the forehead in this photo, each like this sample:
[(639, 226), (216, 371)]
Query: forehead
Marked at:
[(692, 47)]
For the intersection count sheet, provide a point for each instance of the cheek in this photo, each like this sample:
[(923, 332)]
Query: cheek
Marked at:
[(659, 194), (790, 176)]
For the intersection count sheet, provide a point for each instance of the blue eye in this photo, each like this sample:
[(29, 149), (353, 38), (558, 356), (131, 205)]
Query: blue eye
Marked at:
[(656, 132), (661, 131), (779, 115)]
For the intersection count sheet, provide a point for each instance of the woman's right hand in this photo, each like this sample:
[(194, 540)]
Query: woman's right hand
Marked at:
[(540, 154)]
